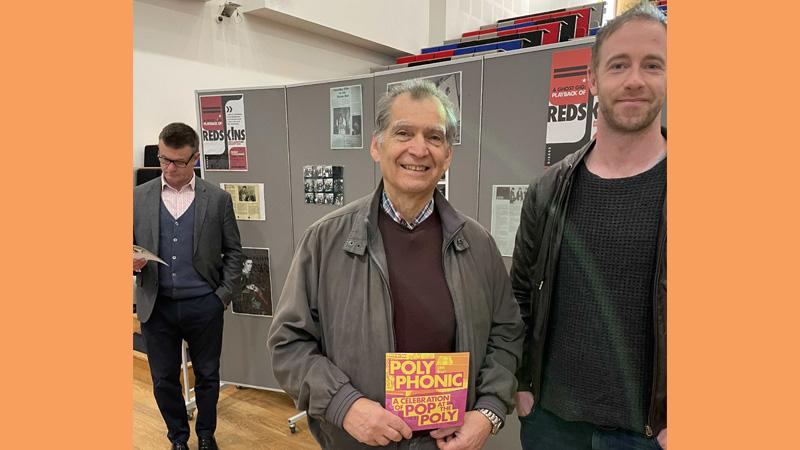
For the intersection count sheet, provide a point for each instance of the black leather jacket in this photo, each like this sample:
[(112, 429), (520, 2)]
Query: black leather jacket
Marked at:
[(536, 253)]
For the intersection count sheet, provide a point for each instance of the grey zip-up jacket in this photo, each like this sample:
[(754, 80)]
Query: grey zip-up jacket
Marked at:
[(333, 323)]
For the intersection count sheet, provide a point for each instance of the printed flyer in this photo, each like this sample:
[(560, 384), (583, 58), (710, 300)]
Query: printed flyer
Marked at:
[(427, 390), (571, 109), (223, 132)]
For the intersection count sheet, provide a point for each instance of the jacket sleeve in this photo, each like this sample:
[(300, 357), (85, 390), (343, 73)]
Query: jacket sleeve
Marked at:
[(526, 250), (496, 383), (232, 254), (302, 369)]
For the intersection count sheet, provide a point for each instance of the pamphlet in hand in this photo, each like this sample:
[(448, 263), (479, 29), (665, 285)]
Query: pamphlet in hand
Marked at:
[(143, 253), (427, 390)]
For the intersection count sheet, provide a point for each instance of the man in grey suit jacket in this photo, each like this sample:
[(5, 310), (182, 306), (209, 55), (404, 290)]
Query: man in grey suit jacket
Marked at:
[(190, 224)]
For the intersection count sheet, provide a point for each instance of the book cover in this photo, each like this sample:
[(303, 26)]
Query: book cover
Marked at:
[(427, 390)]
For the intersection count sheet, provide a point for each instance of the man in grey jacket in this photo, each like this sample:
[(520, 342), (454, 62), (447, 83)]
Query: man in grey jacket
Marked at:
[(397, 271), (190, 224)]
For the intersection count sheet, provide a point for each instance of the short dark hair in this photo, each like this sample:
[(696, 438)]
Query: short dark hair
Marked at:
[(643, 11), (179, 135)]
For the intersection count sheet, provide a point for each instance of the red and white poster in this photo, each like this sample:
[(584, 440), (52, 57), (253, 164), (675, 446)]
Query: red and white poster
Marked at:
[(572, 109), (223, 132)]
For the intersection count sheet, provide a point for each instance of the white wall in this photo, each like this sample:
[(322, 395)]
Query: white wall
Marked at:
[(399, 24), (179, 48)]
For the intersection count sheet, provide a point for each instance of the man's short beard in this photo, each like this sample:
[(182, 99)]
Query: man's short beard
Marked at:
[(626, 126)]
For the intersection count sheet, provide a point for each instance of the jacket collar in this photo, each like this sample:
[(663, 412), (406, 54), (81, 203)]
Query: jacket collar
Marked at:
[(573, 159), (365, 225)]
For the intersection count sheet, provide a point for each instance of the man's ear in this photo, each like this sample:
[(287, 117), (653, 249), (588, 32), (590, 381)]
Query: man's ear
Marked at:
[(592, 78), (374, 150)]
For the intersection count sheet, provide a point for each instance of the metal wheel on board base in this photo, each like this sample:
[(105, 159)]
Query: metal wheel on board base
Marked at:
[(293, 428)]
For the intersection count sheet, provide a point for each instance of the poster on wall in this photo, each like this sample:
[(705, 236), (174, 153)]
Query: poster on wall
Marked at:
[(572, 109), (255, 299), (444, 183), (346, 118), (248, 200), (323, 185), (450, 85), (506, 209), (223, 132)]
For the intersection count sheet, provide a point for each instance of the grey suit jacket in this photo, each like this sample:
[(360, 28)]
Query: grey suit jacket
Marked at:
[(217, 249)]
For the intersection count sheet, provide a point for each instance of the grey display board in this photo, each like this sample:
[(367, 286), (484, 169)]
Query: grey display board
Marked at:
[(309, 140), (245, 359), (514, 122), (464, 168)]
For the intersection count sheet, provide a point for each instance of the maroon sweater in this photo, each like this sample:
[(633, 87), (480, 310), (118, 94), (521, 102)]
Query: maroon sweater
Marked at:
[(424, 320)]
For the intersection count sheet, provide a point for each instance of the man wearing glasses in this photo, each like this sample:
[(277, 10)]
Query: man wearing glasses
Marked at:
[(190, 224)]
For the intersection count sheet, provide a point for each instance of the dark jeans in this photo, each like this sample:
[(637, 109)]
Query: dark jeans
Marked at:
[(198, 321), (543, 430)]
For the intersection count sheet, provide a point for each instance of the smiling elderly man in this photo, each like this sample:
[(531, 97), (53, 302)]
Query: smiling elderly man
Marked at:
[(397, 271)]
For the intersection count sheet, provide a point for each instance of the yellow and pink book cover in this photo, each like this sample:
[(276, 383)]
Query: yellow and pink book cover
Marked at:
[(427, 390)]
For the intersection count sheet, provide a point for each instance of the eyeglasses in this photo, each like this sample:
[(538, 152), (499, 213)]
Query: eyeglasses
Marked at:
[(165, 162)]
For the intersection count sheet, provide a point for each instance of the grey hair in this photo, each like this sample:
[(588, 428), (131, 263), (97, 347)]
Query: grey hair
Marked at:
[(644, 11), (418, 90)]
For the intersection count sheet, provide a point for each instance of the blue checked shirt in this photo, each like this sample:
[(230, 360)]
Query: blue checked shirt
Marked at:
[(389, 208)]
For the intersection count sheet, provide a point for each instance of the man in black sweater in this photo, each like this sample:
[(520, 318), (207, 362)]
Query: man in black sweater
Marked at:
[(589, 270)]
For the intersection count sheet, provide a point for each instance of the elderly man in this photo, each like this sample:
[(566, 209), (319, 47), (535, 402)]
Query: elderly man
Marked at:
[(190, 224), (397, 271), (589, 268)]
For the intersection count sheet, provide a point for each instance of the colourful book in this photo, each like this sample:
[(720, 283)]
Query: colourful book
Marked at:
[(427, 390)]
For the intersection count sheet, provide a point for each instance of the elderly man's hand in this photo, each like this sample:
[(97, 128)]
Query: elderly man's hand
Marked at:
[(138, 263), (662, 438), (370, 424), (470, 436)]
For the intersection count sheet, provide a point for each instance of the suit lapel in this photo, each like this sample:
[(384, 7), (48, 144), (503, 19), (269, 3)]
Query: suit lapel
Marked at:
[(200, 204)]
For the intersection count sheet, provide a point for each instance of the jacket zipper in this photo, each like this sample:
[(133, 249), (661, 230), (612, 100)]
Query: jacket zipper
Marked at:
[(391, 302), (447, 282), (549, 270), (648, 429)]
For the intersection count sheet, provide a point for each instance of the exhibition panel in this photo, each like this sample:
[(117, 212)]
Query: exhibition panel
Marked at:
[(260, 193), (330, 124)]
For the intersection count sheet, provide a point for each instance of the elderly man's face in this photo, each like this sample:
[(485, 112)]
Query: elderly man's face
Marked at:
[(414, 153), (631, 77)]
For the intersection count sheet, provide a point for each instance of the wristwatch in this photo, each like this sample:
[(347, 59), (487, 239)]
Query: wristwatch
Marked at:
[(496, 421)]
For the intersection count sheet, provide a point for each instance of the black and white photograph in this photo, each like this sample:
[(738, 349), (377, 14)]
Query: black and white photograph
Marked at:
[(450, 85), (323, 184), (341, 120), (255, 298), (346, 107), (247, 193)]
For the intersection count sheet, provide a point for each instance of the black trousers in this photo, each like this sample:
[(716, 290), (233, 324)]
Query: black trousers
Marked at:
[(198, 321)]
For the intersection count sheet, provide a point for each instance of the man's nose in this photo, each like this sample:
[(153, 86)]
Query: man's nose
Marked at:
[(634, 79), (418, 146)]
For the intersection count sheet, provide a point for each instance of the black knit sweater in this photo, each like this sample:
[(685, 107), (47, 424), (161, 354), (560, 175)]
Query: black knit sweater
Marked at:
[(599, 347)]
